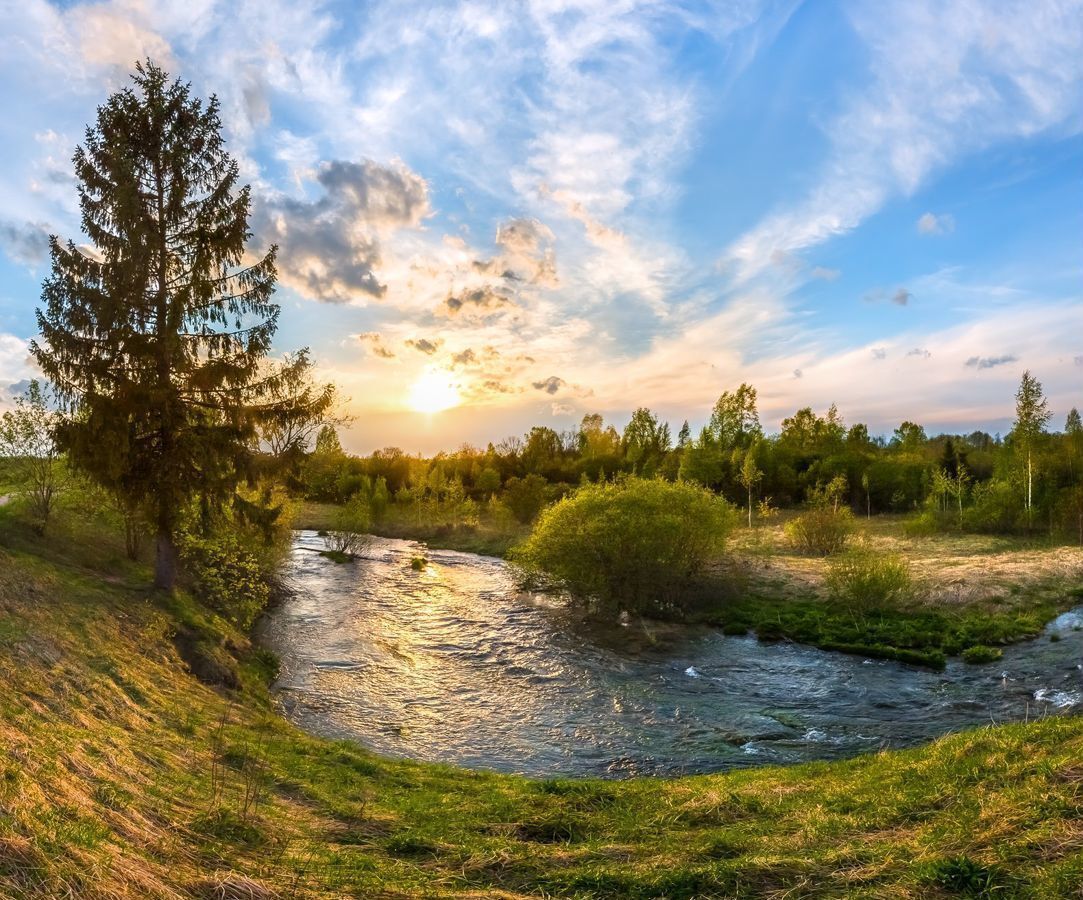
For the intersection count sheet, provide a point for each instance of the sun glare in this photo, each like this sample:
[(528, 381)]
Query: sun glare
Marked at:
[(433, 392)]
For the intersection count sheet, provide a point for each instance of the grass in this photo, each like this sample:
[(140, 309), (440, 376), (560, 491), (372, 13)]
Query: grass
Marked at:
[(124, 776), (969, 591)]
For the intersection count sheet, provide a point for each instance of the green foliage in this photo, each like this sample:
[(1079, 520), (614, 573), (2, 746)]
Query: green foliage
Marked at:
[(636, 545), (968, 878), (26, 439), (821, 530), (525, 497), (350, 533), (159, 341), (865, 580), (979, 653), (227, 575)]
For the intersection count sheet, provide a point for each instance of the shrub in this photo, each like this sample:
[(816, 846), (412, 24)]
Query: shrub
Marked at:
[(635, 546), (349, 536), (227, 576), (525, 497), (979, 653), (864, 580), (821, 530)]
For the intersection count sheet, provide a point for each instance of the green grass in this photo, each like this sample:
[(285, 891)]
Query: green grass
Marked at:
[(123, 776)]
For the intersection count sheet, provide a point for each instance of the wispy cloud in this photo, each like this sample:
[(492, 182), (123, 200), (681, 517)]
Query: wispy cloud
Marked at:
[(945, 79), (930, 223), (990, 362)]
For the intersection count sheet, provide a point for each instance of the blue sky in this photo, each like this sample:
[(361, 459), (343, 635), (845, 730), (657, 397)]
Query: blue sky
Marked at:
[(531, 211)]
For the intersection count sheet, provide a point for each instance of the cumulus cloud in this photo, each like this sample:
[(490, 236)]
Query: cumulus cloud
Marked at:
[(989, 362), (526, 254), (376, 345), (930, 223), (330, 248), (27, 243), (483, 301), (550, 385), (425, 345)]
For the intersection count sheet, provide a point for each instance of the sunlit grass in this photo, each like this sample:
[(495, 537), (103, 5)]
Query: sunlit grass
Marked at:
[(124, 776)]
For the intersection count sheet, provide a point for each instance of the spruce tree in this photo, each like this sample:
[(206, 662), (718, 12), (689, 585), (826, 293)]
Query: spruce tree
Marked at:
[(157, 338)]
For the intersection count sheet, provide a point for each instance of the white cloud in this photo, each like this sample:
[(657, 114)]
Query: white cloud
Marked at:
[(946, 79), (930, 223)]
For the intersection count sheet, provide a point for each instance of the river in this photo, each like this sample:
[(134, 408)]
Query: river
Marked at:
[(452, 664)]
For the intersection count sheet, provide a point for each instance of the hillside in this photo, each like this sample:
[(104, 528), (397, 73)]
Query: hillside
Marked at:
[(125, 776)]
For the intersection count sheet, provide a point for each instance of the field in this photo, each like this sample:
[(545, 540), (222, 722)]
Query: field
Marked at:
[(125, 776)]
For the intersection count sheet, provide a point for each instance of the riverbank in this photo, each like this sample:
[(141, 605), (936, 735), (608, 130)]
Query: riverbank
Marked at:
[(124, 775), (971, 591)]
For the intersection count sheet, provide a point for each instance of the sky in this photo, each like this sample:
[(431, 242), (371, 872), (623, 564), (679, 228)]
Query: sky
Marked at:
[(496, 215)]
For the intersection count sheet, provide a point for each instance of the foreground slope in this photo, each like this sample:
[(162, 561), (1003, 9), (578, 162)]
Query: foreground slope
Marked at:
[(124, 776)]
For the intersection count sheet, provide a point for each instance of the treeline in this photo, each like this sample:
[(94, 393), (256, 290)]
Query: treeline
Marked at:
[(1026, 481)]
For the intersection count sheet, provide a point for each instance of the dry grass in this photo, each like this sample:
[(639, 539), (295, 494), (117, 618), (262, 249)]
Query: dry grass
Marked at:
[(952, 570)]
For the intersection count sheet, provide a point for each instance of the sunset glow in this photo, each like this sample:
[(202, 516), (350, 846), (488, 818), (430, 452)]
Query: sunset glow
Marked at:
[(433, 392)]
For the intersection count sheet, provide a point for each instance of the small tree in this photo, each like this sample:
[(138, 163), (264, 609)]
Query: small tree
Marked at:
[(750, 476), (350, 534), (1031, 416), (26, 438)]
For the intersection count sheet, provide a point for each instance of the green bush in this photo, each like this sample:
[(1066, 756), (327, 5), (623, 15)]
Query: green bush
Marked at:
[(226, 576), (866, 580), (636, 545), (349, 536), (821, 530), (979, 653)]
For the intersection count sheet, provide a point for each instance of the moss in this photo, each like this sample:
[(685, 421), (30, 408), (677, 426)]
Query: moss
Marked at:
[(981, 654)]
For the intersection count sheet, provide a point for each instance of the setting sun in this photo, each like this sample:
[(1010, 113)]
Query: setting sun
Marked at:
[(433, 393)]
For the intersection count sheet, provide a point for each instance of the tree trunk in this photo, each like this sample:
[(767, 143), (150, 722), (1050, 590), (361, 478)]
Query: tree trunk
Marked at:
[(165, 567), (750, 507)]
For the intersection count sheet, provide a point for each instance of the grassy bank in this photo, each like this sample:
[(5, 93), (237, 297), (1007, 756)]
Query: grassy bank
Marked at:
[(125, 776), (971, 590)]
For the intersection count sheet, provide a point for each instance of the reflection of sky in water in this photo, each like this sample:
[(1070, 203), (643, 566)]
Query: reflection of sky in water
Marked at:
[(451, 664)]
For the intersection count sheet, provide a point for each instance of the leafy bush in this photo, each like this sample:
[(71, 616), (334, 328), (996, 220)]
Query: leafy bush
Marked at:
[(822, 530), (636, 545), (525, 497), (997, 508), (349, 536), (979, 653), (227, 576), (866, 580)]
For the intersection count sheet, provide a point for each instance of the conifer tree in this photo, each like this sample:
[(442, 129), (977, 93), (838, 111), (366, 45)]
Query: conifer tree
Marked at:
[(157, 339)]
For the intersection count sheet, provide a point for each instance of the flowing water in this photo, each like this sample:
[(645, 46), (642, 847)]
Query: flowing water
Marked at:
[(453, 664)]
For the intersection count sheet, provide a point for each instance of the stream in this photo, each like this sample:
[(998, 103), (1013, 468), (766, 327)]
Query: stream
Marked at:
[(453, 664)]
